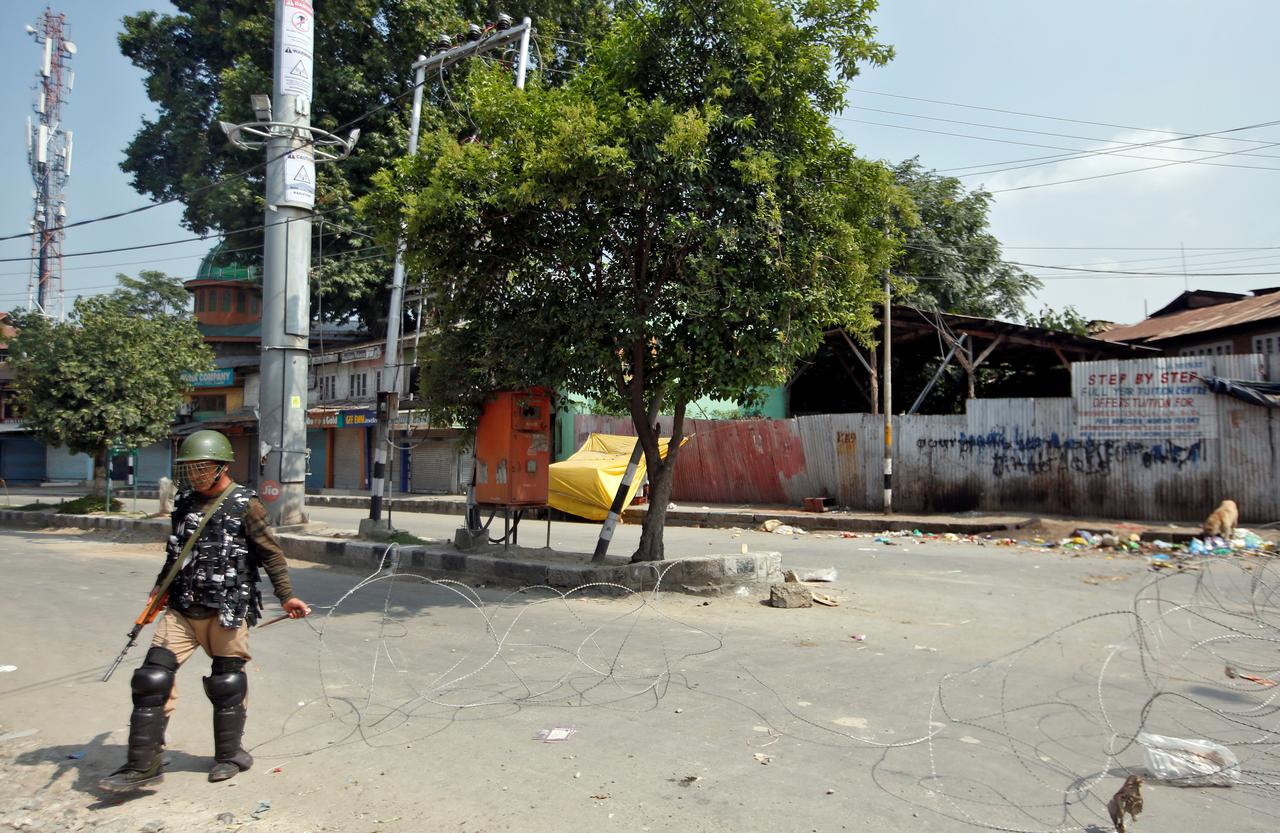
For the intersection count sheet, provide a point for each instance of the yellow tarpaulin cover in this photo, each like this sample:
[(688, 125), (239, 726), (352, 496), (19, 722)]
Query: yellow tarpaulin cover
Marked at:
[(584, 484)]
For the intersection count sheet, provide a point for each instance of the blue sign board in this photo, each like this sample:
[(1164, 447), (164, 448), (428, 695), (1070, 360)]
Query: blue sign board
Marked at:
[(221, 378)]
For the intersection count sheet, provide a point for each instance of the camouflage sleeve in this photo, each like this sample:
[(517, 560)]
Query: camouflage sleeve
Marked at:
[(266, 549)]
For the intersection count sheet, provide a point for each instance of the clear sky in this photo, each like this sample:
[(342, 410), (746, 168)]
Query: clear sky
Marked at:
[(1127, 71), (1167, 65), (104, 111)]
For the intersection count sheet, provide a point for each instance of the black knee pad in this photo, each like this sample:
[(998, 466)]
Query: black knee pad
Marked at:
[(227, 684), (153, 680)]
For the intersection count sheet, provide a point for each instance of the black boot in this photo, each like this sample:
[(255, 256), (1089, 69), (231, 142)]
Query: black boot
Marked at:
[(151, 685), (226, 687)]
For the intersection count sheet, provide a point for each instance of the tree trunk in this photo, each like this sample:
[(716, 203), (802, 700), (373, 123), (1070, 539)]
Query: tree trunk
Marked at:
[(661, 479), (100, 473)]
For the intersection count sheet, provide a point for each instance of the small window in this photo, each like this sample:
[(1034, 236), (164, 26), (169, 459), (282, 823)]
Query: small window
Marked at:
[(209, 402), (253, 304), (1268, 344), (226, 300), (199, 301), (241, 301)]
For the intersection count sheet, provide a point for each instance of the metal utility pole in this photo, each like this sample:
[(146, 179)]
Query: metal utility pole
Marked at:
[(293, 147), (888, 402), (49, 155), (388, 397)]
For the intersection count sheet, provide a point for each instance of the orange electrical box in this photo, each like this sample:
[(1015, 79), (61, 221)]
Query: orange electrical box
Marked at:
[(513, 449)]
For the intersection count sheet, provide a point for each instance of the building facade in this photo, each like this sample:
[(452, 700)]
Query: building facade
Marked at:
[(342, 426), (1207, 323), (227, 301)]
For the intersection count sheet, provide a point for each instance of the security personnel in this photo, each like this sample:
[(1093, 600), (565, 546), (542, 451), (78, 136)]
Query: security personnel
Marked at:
[(212, 603)]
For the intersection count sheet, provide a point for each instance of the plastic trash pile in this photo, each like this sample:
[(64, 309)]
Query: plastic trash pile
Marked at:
[(1243, 542), (1162, 553)]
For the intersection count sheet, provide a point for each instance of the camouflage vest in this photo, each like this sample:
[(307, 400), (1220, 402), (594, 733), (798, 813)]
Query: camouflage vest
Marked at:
[(220, 573)]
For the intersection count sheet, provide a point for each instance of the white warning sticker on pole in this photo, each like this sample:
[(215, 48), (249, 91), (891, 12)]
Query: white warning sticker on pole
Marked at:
[(294, 67), (299, 179)]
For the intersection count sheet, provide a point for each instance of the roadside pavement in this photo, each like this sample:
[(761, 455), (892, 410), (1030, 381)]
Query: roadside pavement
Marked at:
[(405, 507), (955, 688)]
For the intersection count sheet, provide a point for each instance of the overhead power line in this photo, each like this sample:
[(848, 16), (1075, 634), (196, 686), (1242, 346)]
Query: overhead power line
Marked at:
[(1072, 154), (1088, 271), (140, 246), (1047, 132), (1041, 116), (1119, 173), (230, 178)]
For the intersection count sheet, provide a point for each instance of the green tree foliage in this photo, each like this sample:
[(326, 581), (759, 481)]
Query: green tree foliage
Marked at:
[(677, 220), (1066, 320), (953, 258), (111, 373), (153, 294), (204, 61)]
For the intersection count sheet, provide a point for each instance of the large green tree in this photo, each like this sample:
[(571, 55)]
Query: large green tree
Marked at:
[(111, 373), (204, 61), (950, 257), (677, 220)]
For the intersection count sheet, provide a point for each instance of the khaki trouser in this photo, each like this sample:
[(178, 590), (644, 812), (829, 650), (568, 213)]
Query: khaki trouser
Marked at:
[(183, 635)]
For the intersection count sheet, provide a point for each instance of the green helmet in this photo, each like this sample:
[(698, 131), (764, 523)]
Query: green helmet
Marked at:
[(205, 445)]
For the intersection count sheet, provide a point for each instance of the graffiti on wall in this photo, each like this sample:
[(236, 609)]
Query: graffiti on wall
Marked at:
[(1031, 454)]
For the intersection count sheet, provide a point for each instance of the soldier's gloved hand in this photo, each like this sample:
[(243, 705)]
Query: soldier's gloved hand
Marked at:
[(296, 608)]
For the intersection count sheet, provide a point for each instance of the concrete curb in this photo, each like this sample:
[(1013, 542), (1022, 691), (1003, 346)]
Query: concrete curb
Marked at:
[(703, 575), (709, 518), (152, 528), (712, 574), (809, 521)]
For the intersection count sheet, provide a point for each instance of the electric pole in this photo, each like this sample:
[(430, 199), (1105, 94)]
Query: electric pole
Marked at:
[(49, 156), (888, 401), (293, 147), (477, 42)]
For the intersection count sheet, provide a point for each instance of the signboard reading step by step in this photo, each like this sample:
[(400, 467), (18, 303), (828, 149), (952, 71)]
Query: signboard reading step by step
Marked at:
[(1156, 399)]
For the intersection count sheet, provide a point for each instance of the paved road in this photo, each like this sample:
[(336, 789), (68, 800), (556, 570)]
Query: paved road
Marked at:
[(406, 707)]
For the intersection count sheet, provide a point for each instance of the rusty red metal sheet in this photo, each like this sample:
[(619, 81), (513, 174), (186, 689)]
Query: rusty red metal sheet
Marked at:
[(740, 461)]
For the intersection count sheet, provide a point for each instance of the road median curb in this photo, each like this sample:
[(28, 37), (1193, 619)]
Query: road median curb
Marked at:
[(702, 575)]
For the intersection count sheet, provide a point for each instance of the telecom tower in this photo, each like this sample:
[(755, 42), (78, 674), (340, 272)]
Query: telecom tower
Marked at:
[(49, 154)]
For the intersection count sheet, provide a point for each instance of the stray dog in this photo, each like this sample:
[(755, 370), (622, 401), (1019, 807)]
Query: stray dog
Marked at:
[(1128, 799), (1223, 520)]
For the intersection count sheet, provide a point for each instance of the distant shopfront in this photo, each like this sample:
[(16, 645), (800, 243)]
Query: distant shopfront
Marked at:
[(341, 442)]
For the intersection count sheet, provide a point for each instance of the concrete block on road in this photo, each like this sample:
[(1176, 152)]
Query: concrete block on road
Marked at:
[(790, 595)]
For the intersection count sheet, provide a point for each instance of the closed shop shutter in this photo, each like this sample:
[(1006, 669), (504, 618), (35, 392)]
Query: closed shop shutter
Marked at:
[(22, 459), (153, 462), (433, 462), (65, 466), (348, 458)]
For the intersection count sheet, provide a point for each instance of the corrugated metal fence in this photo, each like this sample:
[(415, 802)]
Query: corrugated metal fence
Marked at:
[(1003, 455)]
